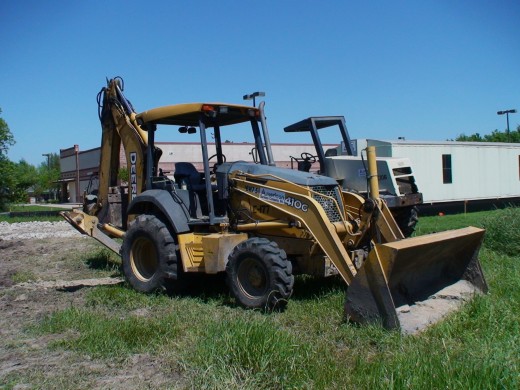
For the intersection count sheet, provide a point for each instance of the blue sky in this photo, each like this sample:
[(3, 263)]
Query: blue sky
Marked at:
[(424, 70)]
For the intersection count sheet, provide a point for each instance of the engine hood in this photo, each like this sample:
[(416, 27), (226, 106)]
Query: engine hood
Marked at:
[(294, 176)]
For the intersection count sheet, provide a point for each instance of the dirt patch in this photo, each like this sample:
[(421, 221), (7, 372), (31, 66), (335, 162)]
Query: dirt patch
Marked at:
[(43, 259), (41, 274)]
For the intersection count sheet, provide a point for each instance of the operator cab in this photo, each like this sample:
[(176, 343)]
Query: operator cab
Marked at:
[(312, 125), (196, 188)]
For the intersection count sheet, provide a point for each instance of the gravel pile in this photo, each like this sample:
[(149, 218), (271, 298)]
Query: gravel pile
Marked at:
[(36, 230)]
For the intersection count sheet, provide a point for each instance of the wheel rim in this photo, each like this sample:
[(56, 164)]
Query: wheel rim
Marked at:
[(143, 259), (252, 277)]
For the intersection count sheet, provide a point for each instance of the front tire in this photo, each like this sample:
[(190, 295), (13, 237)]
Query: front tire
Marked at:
[(259, 275), (149, 255)]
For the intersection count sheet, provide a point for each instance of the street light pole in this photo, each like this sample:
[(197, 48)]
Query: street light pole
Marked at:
[(48, 155), (253, 96), (507, 112)]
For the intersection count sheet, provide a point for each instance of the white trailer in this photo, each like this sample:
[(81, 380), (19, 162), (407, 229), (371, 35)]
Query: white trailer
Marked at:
[(450, 171)]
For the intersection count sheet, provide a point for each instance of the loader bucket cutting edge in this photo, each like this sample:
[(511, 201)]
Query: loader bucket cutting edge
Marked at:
[(413, 283)]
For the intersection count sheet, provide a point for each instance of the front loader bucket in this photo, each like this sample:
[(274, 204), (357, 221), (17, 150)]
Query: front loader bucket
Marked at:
[(412, 283)]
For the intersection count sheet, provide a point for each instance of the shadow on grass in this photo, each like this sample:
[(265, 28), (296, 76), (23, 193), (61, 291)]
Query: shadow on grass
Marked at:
[(205, 288), (214, 288), (310, 287), (104, 260)]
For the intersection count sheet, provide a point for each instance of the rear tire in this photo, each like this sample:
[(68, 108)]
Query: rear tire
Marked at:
[(149, 255), (406, 218), (259, 275)]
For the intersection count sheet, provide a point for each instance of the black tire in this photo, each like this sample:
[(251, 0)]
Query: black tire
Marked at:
[(406, 218), (149, 255), (259, 275)]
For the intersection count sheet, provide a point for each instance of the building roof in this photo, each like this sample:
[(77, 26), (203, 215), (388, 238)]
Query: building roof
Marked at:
[(446, 143)]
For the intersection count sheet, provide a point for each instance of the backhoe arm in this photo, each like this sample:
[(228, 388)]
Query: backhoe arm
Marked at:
[(119, 127)]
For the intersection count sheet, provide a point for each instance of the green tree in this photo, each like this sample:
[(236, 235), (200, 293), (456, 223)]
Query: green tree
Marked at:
[(123, 174), (7, 182), (6, 167), (6, 138), (495, 136), (48, 174), (26, 177)]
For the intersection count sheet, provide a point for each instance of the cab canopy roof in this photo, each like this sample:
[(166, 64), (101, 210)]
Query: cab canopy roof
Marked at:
[(320, 122), (189, 114)]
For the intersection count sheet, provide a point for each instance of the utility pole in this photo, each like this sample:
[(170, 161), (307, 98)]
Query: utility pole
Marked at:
[(76, 152), (48, 155), (253, 96), (507, 112)]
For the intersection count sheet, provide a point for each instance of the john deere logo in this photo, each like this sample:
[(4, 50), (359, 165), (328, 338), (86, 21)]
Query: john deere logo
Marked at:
[(133, 174)]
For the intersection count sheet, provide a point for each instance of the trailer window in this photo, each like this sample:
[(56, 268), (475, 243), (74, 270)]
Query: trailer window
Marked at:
[(446, 169)]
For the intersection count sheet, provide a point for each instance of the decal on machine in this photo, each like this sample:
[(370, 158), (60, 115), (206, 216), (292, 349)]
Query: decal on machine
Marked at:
[(262, 208), (254, 190), (279, 197), (275, 196), (363, 173), (272, 195), (133, 174)]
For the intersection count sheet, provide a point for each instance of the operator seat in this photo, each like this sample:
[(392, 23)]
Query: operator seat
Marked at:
[(186, 174), (185, 171), (331, 152), (304, 165)]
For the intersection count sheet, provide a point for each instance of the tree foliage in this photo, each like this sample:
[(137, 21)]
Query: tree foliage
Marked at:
[(26, 178), (123, 174), (48, 174), (6, 138), (495, 136), (20, 179), (6, 167), (7, 175)]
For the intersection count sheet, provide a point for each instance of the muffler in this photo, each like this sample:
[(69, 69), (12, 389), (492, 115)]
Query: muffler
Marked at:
[(412, 283)]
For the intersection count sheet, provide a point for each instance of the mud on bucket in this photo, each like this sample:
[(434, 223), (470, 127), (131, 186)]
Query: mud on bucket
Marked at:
[(413, 283)]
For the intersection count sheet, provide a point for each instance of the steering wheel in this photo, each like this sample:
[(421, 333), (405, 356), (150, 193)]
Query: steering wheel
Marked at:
[(214, 168), (308, 157)]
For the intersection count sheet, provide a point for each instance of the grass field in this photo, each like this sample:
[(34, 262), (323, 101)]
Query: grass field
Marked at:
[(447, 222), (32, 213), (31, 208), (211, 344)]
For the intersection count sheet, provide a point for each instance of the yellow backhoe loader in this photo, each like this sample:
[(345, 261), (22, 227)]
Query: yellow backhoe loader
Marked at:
[(258, 223)]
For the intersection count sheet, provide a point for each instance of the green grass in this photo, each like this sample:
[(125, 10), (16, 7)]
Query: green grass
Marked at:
[(23, 276), (5, 217), (215, 345), (31, 208), (502, 227), (101, 334), (446, 222), (102, 259), (30, 218), (503, 231), (251, 353)]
